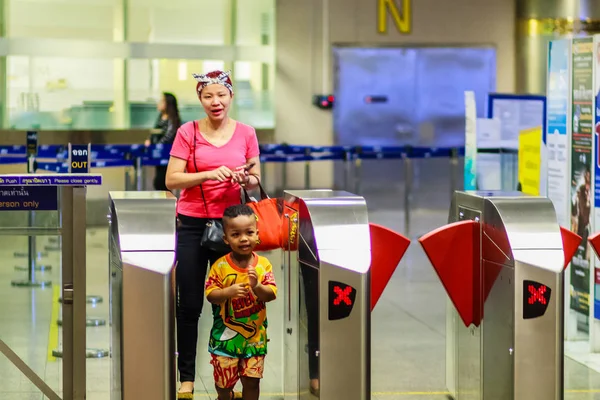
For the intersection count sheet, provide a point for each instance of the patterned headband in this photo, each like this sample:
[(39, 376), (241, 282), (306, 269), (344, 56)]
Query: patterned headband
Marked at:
[(222, 79)]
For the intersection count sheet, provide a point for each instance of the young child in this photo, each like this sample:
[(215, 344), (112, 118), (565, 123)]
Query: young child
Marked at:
[(238, 286)]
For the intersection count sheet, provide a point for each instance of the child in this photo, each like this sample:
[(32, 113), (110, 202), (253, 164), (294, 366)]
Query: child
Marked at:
[(238, 286)]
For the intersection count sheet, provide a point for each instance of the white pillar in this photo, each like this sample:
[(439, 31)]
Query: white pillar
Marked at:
[(4, 115), (121, 107)]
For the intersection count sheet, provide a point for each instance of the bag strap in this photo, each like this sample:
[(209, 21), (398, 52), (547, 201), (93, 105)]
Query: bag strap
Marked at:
[(263, 193), (196, 166)]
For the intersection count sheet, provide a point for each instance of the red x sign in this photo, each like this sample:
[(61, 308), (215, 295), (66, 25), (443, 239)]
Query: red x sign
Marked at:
[(342, 295), (537, 295), (340, 300)]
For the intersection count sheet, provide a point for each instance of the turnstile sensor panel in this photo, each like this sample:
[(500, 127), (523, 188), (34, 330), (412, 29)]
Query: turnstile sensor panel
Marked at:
[(536, 297), (466, 214), (341, 300)]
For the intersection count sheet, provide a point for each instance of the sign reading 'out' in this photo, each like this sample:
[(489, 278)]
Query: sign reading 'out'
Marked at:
[(79, 158)]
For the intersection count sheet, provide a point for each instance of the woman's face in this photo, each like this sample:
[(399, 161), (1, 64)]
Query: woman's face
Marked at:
[(162, 104), (216, 99)]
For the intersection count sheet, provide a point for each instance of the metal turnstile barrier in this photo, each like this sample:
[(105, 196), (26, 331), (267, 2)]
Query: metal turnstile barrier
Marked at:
[(501, 260), (327, 313), (141, 261)]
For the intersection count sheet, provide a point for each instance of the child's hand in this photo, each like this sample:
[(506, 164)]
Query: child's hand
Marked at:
[(238, 290), (252, 277)]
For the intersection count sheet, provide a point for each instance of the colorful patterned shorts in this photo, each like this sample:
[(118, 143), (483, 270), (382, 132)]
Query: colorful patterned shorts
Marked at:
[(227, 370)]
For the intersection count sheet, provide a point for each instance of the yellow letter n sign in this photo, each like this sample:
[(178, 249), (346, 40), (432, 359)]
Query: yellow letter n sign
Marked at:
[(401, 17)]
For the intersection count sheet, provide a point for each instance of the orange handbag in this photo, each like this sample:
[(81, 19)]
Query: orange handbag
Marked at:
[(269, 218)]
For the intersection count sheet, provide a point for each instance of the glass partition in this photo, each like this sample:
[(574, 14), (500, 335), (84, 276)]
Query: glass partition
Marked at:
[(104, 64), (61, 93), (29, 318), (149, 78), (254, 93)]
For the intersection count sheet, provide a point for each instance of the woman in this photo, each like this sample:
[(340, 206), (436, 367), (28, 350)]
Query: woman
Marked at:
[(168, 122), (208, 152)]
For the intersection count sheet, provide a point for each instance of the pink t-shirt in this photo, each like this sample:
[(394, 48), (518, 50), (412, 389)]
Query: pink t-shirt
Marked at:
[(219, 195)]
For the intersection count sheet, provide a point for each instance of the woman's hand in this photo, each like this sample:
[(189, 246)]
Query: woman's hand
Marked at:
[(221, 174), (241, 176)]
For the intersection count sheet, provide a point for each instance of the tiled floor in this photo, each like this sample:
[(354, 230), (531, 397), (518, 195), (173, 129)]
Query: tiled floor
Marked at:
[(407, 327)]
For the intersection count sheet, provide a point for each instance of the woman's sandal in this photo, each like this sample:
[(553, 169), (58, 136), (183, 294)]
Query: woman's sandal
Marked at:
[(314, 391), (185, 395)]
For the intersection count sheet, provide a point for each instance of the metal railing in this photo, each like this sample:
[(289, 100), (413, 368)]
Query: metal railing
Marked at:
[(135, 157)]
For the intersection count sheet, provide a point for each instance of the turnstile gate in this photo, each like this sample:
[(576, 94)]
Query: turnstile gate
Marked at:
[(141, 260), (327, 301), (501, 260)]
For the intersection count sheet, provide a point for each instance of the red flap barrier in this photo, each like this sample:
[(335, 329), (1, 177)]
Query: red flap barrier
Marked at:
[(387, 249), (453, 250), (594, 241), (571, 242)]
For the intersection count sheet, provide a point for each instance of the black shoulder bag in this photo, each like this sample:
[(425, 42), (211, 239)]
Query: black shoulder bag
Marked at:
[(212, 238)]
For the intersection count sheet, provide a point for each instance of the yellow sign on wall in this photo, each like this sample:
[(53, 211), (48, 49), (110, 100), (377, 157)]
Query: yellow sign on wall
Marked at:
[(530, 160), (402, 19)]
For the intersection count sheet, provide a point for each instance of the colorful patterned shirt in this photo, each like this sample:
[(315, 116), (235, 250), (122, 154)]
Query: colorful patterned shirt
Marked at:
[(239, 325)]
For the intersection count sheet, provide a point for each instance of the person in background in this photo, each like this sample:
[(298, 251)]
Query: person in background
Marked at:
[(210, 159), (167, 124)]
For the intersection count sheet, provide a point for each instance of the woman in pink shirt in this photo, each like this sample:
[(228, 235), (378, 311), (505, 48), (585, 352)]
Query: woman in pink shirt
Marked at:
[(207, 152)]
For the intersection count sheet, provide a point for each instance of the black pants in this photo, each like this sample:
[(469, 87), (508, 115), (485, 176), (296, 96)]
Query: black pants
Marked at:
[(160, 178), (192, 264)]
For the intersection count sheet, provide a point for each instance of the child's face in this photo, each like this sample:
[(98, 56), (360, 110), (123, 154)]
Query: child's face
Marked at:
[(241, 234)]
